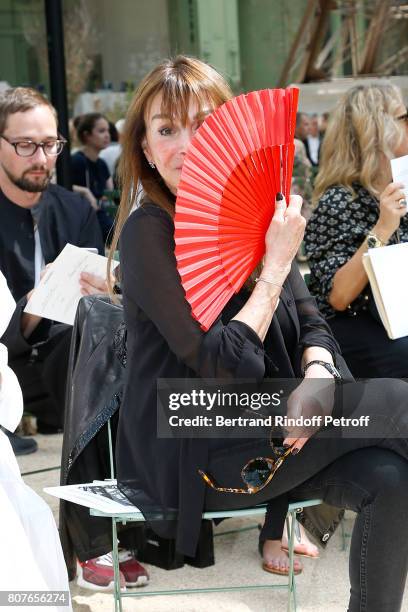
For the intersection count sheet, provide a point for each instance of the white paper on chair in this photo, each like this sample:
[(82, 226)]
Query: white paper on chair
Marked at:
[(399, 168), (57, 295), (387, 270), (102, 495)]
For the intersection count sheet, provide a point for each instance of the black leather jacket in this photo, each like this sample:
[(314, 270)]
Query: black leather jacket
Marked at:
[(94, 386)]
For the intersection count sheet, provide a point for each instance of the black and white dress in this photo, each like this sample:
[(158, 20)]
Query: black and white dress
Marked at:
[(334, 233)]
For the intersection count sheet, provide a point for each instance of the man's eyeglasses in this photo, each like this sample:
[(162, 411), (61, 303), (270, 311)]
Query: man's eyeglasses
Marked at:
[(27, 148), (256, 474)]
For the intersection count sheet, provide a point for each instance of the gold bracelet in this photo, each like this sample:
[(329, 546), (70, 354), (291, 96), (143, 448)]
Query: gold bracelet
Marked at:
[(265, 280)]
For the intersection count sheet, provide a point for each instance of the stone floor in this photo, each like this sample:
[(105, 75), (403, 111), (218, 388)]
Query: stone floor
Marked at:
[(322, 587)]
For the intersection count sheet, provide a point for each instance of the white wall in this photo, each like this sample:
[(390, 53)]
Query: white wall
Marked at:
[(323, 96), (133, 36)]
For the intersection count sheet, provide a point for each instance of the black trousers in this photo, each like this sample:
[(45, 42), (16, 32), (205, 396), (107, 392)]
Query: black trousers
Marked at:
[(365, 346), (42, 376), (365, 471)]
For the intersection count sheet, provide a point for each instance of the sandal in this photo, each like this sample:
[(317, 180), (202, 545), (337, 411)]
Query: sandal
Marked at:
[(298, 538), (275, 570), (286, 549), (299, 554)]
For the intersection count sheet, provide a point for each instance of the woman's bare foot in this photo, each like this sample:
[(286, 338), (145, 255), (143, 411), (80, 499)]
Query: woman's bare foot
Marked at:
[(276, 560), (304, 547)]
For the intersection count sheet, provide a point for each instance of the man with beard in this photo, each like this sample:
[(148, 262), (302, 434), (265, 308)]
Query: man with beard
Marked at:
[(37, 220)]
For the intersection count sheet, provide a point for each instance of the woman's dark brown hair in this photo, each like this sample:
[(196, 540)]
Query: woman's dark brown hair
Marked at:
[(180, 81), (84, 124)]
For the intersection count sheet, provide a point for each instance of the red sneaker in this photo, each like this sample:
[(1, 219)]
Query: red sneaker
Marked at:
[(97, 574), (134, 573)]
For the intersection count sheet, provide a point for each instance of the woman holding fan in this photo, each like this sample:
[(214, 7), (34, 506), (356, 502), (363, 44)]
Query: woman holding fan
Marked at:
[(271, 328)]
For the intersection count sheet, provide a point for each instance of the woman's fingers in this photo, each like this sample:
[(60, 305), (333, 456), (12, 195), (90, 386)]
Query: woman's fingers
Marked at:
[(292, 209), (295, 443), (294, 411), (391, 197), (289, 440), (280, 207), (402, 209), (295, 205), (394, 198), (284, 234), (299, 444), (391, 188)]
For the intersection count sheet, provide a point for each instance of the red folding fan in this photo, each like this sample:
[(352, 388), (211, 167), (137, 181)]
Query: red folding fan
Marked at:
[(240, 158)]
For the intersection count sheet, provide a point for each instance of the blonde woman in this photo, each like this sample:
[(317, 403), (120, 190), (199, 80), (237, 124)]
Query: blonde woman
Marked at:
[(358, 206)]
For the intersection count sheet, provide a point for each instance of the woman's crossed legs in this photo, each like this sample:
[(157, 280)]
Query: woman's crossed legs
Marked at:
[(374, 483), (369, 476)]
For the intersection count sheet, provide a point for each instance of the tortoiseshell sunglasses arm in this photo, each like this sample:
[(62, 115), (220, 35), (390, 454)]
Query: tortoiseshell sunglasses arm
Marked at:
[(212, 484)]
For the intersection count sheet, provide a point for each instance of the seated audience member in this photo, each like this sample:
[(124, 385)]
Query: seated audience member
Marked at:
[(112, 152), (312, 142), (37, 220), (28, 534), (302, 129), (272, 328), (358, 206), (302, 185), (324, 119), (74, 145), (89, 173), (302, 178)]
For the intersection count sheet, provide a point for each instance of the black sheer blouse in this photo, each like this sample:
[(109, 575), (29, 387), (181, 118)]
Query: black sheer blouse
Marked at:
[(164, 341)]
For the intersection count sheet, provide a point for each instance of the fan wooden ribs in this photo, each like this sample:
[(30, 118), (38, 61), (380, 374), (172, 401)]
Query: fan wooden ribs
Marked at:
[(239, 159)]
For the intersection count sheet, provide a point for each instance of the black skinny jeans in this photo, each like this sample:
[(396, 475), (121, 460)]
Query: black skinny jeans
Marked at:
[(368, 475)]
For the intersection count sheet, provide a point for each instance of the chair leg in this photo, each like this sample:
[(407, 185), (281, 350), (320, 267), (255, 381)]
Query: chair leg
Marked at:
[(115, 559), (290, 524)]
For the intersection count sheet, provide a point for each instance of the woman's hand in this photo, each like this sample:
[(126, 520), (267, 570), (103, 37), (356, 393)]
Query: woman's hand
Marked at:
[(283, 238), (313, 399), (391, 212)]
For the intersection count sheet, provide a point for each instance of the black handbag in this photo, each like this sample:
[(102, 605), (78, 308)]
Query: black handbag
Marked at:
[(162, 552)]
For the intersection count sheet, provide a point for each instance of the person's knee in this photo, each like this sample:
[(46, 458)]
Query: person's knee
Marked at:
[(386, 401), (389, 477), (393, 390), (376, 472)]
